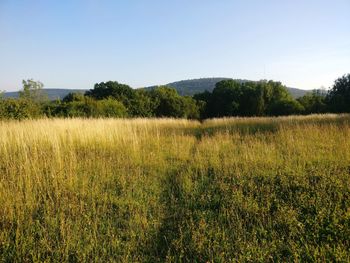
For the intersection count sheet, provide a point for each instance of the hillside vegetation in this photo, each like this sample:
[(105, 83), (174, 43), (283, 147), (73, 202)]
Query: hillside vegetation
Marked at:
[(194, 86), (165, 190), (228, 98), (183, 87)]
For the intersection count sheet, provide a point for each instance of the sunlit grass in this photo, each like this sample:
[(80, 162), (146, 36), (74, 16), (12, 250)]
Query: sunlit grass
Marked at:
[(148, 190)]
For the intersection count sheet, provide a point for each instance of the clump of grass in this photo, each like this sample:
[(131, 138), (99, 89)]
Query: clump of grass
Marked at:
[(155, 190)]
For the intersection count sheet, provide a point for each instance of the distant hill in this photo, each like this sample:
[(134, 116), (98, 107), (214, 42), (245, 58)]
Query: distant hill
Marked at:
[(193, 86), (183, 87), (296, 93), (53, 94)]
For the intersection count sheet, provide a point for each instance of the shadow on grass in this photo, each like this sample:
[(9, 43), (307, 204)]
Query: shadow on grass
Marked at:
[(175, 240), (263, 125), (174, 218)]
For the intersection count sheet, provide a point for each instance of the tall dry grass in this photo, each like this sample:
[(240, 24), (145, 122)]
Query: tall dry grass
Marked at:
[(239, 189)]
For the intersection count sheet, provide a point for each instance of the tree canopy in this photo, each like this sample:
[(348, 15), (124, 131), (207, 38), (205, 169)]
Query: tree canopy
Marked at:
[(338, 97), (228, 98)]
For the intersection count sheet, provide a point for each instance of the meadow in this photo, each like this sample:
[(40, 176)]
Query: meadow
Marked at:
[(166, 190)]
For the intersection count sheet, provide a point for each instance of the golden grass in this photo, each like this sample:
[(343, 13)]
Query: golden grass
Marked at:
[(148, 190)]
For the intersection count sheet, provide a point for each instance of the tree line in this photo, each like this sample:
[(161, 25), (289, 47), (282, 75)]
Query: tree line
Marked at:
[(229, 98)]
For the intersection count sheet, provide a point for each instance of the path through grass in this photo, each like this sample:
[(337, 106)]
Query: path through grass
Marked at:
[(259, 189)]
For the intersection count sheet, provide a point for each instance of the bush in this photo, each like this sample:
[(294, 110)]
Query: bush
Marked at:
[(19, 109), (110, 108), (285, 107), (314, 102), (88, 107)]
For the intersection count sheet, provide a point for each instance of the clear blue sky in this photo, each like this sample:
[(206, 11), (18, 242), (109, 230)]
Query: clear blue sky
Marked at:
[(76, 43)]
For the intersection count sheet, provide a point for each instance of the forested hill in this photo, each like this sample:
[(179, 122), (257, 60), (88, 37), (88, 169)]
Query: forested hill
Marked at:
[(52, 94), (194, 86), (183, 87)]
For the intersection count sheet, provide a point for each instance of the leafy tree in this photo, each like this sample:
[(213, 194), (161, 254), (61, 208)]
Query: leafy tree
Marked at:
[(276, 91), (248, 98), (252, 101), (192, 109), (52, 108), (313, 102), (88, 107), (338, 97), (18, 109), (168, 103), (33, 90), (117, 91), (110, 108), (142, 104), (202, 100), (225, 99), (112, 89), (285, 107), (73, 96)]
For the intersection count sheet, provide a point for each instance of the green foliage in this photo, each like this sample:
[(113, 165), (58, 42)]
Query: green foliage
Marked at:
[(73, 96), (142, 104), (192, 87), (88, 107), (19, 109), (285, 107), (339, 96), (229, 98), (29, 105), (249, 98), (110, 108), (191, 108), (168, 103), (32, 90), (112, 89), (225, 99), (314, 102)]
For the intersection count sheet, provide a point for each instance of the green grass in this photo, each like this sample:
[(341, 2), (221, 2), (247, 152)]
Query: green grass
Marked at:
[(226, 190)]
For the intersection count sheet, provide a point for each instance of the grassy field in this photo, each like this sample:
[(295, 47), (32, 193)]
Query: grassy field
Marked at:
[(226, 190)]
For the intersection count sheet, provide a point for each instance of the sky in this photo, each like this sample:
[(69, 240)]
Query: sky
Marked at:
[(77, 43)]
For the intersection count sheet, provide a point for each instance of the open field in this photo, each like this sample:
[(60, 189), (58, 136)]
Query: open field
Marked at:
[(240, 189)]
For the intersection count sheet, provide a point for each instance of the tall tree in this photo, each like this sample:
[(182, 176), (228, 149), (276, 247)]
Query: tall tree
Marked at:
[(33, 90), (338, 97), (314, 102)]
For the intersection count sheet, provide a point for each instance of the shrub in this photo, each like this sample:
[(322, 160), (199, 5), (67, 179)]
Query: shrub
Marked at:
[(19, 109)]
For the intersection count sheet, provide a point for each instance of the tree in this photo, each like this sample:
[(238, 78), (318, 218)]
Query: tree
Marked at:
[(110, 108), (313, 102), (33, 90), (285, 107), (225, 99), (248, 98), (18, 109), (88, 107), (338, 98), (168, 103), (252, 101), (112, 89), (191, 108), (142, 104), (73, 96), (202, 100)]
